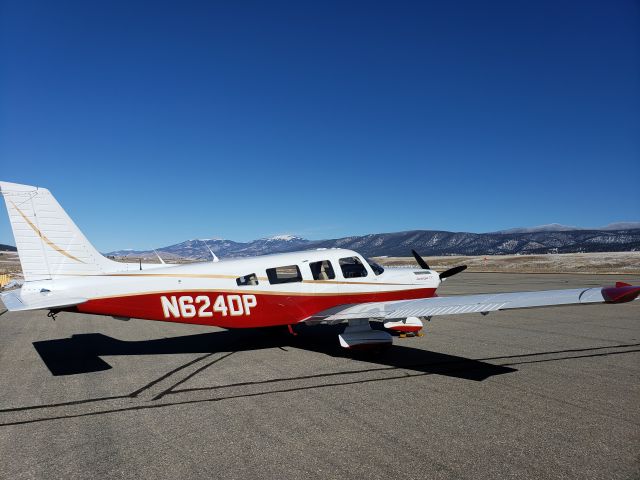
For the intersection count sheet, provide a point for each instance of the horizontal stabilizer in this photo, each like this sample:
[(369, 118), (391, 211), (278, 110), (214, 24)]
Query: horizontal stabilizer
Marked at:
[(16, 303)]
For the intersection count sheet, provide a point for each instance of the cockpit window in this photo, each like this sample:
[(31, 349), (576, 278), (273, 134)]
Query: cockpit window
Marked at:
[(250, 279), (288, 274), (352, 267), (322, 270), (377, 269)]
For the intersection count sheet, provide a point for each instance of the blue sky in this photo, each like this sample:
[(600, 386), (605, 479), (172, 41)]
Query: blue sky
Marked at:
[(154, 122)]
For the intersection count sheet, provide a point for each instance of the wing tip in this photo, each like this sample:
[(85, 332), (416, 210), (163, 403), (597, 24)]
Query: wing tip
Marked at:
[(621, 293)]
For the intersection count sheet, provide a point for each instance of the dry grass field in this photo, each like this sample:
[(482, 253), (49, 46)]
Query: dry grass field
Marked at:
[(10, 264), (588, 263)]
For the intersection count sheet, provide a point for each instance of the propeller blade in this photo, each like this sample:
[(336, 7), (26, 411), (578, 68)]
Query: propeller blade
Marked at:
[(452, 271), (420, 260)]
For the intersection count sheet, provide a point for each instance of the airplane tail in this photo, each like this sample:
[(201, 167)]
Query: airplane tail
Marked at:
[(49, 244)]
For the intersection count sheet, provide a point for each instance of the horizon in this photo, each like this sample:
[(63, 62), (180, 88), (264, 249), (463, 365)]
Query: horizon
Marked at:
[(506, 231), (362, 235), (635, 225), (151, 125)]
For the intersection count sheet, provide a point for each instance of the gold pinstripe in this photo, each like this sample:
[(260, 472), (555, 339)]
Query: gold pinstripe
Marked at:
[(252, 292), (211, 275), (44, 237)]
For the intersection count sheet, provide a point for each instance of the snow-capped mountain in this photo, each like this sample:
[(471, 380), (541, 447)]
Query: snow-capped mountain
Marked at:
[(282, 238), (428, 242)]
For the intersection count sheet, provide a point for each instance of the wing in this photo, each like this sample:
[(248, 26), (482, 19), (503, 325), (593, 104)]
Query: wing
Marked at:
[(459, 304)]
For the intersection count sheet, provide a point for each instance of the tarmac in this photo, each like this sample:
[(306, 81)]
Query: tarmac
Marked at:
[(537, 393)]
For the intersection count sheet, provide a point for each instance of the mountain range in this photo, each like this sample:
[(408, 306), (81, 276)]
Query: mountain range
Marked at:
[(428, 242), (556, 227)]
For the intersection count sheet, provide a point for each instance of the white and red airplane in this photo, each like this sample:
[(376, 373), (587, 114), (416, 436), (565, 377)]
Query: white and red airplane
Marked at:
[(64, 272)]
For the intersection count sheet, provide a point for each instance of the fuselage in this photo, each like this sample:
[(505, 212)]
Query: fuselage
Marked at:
[(269, 290)]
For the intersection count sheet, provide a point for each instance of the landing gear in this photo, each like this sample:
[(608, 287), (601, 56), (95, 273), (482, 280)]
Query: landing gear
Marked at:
[(411, 334), (359, 335)]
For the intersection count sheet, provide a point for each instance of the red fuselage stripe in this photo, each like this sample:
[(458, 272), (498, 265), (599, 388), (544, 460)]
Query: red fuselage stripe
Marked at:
[(269, 310)]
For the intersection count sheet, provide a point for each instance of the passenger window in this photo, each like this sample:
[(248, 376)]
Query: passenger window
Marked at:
[(322, 270), (290, 273), (250, 279), (352, 267)]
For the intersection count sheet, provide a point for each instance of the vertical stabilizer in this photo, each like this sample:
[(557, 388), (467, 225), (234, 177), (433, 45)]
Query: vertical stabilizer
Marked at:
[(49, 244)]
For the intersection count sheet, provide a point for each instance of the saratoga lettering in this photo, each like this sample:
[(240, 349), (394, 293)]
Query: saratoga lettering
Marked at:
[(185, 306)]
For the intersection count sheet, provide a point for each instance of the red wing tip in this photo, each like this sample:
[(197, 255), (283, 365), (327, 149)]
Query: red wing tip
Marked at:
[(407, 328), (621, 293)]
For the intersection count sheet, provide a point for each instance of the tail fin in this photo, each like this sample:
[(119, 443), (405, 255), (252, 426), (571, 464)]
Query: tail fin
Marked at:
[(49, 244)]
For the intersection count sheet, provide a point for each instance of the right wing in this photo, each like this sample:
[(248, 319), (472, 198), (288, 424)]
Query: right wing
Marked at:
[(484, 303)]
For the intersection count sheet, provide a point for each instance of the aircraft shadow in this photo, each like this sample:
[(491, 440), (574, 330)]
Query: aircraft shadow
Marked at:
[(82, 353)]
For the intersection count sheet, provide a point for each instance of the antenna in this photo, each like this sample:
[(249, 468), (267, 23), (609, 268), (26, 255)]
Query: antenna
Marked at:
[(215, 259), (159, 257)]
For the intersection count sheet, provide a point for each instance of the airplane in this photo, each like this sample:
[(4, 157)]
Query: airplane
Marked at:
[(64, 272)]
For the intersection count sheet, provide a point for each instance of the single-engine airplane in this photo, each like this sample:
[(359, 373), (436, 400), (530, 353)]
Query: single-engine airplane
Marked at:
[(64, 272)]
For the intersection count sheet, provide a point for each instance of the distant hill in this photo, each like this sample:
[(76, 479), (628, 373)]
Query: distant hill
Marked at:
[(197, 248), (7, 248), (556, 227), (427, 242)]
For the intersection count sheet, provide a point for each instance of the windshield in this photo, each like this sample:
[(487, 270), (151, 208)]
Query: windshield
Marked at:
[(377, 269)]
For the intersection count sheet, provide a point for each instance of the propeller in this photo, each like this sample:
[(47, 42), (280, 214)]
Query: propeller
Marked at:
[(452, 271), (420, 260), (446, 274)]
